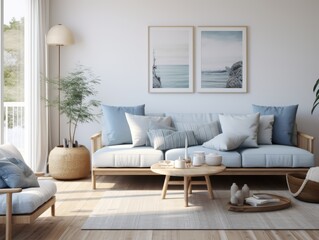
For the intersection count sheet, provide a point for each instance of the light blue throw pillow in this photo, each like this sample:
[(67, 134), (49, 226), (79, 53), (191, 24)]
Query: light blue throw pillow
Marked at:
[(115, 129), (225, 142), (16, 174), (285, 117), (163, 139)]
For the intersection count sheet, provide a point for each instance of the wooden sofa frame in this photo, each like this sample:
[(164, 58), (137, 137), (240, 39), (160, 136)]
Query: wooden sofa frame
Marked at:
[(304, 141), (9, 219)]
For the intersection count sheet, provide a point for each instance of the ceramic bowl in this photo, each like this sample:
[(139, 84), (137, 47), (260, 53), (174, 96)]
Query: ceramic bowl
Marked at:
[(213, 160)]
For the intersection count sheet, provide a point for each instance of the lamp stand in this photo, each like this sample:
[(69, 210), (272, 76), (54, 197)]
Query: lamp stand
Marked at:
[(59, 94)]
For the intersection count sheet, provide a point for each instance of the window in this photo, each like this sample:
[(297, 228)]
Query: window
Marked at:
[(13, 73)]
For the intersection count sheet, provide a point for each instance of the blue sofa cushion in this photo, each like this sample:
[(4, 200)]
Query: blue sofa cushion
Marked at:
[(115, 129), (16, 174), (276, 156), (283, 127)]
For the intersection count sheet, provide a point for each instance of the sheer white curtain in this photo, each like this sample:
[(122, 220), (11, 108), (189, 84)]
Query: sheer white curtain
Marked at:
[(36, 112)]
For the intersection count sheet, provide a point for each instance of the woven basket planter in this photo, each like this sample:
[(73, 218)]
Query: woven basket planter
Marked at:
[(69, 163), (303, 189)]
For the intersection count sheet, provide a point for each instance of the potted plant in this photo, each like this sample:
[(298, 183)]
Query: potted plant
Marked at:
[(71, 160)]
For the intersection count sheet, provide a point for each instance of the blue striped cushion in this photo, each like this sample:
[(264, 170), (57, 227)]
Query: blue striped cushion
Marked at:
[(202, 132), (163, 139)]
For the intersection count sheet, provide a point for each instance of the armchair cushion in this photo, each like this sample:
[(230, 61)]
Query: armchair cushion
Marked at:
[(29, 199)]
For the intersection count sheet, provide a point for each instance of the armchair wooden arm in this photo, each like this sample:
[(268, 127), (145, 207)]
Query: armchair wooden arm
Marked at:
[(305, 141), (96, 142), (9, 192)]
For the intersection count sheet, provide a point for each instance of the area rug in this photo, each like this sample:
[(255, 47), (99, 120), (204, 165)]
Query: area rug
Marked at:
[(144, 209)]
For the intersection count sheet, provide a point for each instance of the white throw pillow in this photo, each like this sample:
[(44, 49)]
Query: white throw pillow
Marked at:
[(266, 123), (225, 142), (313, 174), (244, 125), (139, 125)]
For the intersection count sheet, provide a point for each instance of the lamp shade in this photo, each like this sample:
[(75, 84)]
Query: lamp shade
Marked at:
[(59, 35)]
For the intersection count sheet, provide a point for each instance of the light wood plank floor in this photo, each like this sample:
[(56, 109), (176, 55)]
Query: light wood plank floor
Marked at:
[(76, 200)]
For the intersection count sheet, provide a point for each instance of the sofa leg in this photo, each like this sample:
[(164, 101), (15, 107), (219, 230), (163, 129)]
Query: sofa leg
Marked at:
[(53, 210), (93, 181)]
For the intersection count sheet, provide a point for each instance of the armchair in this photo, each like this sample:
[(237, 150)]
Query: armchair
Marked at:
[(24, 206)]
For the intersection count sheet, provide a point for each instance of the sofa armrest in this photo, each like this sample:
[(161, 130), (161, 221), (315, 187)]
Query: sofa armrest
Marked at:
[(96, 142), (305, 141), (10, 190)]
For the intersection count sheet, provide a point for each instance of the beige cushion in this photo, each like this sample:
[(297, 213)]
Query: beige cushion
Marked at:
[(244, 125), (139, 125)]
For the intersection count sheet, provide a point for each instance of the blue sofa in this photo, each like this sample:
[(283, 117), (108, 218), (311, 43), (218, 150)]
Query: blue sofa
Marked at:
[(264, 159)]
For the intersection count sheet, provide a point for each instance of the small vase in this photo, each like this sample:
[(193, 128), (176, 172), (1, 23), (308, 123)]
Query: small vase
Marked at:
[(240, 197), (246, 191), (234, 200), (233, 190)]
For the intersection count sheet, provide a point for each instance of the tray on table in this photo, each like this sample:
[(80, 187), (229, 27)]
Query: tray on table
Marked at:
[(282, 204)]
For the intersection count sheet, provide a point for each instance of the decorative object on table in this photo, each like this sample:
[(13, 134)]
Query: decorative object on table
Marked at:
[(213, 159), (170, 65), (179, 163), (261, 199), (186, 157), (240, 197), (59, 35), (304, 187), (233, 189), (77, 87), (246, 191), (219, 70), (198, 158), (233, 200), (281, 204)]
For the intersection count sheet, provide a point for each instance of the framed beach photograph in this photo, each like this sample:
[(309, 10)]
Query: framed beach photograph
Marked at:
[(170, 59), (221, 59)]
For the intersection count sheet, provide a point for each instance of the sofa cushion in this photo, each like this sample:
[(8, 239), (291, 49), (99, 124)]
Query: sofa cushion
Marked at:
[(230, 159), (202, 132), (126, 156), (29, 199), (16, 174), (225, 142), (139, 125), (164, 139), (115, 129), (285, 117), (243, 124), (265, 129), (276, 156)]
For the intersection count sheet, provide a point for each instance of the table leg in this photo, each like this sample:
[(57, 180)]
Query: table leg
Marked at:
[(190, 185), (186, 182), (209, 187), (165, 186)]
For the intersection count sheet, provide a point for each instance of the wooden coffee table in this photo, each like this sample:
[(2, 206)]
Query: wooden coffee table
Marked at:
[(187, 173)]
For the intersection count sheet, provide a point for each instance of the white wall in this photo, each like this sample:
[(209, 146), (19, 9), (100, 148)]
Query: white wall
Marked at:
[(112, 38)]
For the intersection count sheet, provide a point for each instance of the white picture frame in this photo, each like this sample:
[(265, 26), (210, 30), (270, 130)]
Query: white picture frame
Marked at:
[(221, 59), (170, 58)]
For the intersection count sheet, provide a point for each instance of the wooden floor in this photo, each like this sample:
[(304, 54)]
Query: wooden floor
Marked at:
[(76, 200)]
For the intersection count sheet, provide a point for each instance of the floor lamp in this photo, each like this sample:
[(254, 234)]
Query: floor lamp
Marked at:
[(59, 35)]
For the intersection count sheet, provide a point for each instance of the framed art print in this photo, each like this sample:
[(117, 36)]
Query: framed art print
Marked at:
[(170, 59), (221, 59)]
